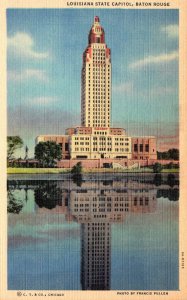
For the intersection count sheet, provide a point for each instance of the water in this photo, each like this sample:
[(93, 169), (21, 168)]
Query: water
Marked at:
[(98, 234)]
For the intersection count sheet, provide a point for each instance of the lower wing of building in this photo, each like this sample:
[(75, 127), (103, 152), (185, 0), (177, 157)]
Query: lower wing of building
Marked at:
[(102, 143)]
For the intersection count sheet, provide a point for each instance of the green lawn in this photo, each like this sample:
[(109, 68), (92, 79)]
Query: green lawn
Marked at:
[(93, 170), (171, 170), (37, 170)]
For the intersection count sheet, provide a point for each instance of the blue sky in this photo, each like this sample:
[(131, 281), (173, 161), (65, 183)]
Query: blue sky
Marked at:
[(44, 62)]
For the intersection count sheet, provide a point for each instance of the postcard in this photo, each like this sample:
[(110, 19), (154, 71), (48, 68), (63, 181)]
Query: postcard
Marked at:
[(93, 134)]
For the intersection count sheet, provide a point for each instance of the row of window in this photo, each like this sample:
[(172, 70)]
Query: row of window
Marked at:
[(121, 144), (98, 116), (98, 59), (98, 47), (135, 200), (105, 210), (141, 148), (99, 108), (95, 91), (89, 66), (81, 138), (100, 86), (101, 138), (100, 132), (98, 53), (96, 120), (82, 143), (95, 138), (103, 144), (98, 70), (97, 99), (102, 149), (95, 68), (82, 149), (121, 150), (99, 124), (98, 89)]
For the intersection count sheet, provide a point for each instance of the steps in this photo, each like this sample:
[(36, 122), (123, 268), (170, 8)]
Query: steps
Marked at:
[(132, 165)]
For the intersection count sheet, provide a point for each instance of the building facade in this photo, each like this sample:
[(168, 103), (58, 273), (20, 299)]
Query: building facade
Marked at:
[(144, 148), (95, 139), (100, 143)]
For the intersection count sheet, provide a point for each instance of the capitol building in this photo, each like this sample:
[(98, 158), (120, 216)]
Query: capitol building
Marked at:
[(94, 139)]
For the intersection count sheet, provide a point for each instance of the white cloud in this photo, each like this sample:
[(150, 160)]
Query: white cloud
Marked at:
[(42, 100), (28, 74), (158, 91), (123, 88), (154, 59), (161, 91), (172, 30), (23, 44)]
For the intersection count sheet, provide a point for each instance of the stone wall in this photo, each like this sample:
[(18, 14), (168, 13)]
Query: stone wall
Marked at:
[(99, 163)]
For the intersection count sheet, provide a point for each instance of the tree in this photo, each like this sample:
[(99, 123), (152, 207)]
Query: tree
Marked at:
[(170, 166), (174, 154), (170, 154), (77, 169), (157, 168), (76, 172), (48, 153), (13, 143)]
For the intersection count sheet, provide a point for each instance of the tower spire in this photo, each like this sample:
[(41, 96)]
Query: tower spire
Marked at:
[(97, 34)]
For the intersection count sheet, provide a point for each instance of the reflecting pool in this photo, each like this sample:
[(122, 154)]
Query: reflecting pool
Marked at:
[(93, 233)]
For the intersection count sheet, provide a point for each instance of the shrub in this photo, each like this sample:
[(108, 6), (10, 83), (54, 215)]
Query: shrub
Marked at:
[(77, 169), (157, 168)]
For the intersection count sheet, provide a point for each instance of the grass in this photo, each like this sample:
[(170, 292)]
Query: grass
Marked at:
[(174, 170), (37, 170), (87, 171)]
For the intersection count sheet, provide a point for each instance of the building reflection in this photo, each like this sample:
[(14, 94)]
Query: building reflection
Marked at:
[(96, 207), (95, 255)]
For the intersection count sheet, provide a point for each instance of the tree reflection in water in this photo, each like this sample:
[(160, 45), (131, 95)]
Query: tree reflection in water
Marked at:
[(14, 205), (48, 195), (77, 179), (171, 194)]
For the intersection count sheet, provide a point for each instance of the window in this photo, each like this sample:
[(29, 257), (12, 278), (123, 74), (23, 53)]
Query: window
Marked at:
[(147, 148), (141, 147), (135, 147)]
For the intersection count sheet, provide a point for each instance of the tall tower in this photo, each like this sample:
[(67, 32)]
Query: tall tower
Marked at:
[(96, 80)]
